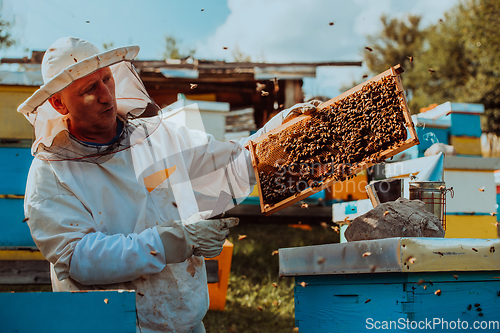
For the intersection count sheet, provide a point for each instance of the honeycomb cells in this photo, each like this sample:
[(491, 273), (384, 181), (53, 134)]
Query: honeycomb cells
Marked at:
[(333, 142)]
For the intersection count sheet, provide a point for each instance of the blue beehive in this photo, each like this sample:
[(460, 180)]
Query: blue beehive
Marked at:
[(14, 170), (357, 286), (456, 124)]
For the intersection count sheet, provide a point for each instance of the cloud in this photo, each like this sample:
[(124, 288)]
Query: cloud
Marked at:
[(299, 30), (284, 31)]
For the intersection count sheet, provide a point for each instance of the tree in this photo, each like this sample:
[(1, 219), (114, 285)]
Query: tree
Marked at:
[(172, 50), (5, 36), (398, 42), (108, 46), (457, 59), (239, 56)]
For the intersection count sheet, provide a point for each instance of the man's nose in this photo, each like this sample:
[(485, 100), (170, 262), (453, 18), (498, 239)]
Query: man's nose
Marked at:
[(106, 95)]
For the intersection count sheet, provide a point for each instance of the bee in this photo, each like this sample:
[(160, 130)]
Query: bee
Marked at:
[(481, 189), (304, 205), (275, 285), (473, 249), (492, 249), (385, 213), (321, 260), (275, 252), (303, 284), (224, 47), (438, 292), (331, 23), (140, 294), (366, 254), (411, 260), (369, 48), (431, 70), (456, 277), (264, 93), (260, 86), (240, 237), (368, 300), (193, 86), (106, 301), (154, 252)]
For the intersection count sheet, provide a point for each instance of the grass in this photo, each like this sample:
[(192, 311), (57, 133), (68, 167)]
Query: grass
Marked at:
[(254, 304)]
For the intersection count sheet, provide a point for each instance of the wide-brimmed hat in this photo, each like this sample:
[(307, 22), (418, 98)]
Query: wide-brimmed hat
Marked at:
[(69, 59)]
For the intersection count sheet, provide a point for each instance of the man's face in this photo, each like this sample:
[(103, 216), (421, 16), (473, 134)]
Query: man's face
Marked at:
[(90, 104)]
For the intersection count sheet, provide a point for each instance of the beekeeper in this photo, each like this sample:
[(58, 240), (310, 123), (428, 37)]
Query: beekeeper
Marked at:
[(117, 197)]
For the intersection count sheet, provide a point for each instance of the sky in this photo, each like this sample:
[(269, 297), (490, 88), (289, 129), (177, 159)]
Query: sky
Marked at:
[(265, 30)]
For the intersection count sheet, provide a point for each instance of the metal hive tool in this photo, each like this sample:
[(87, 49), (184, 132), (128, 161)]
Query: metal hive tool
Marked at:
[(347, 134)]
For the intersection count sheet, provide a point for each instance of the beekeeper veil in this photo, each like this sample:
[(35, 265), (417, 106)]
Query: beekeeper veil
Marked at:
[(67, 60)]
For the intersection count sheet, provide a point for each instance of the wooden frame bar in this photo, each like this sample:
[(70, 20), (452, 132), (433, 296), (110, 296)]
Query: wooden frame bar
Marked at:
[(395, 71)]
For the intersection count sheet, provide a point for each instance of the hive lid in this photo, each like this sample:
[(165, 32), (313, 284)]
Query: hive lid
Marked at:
[(398, 254)]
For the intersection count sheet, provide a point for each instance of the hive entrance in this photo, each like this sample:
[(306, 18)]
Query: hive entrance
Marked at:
[(346, 135)]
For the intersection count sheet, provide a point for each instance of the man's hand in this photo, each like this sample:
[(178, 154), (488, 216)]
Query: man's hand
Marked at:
[(300, 109), (207, 236), (194, 236)]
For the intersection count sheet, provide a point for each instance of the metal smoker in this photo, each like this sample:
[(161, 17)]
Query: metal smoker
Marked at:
[(385, 191), (433, 194)]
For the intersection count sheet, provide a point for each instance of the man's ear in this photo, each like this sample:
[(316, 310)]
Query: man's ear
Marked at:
[(58, 104)]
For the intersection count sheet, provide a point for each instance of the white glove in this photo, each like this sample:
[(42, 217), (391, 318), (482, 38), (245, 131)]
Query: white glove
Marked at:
[(194, 236), (300, 109)]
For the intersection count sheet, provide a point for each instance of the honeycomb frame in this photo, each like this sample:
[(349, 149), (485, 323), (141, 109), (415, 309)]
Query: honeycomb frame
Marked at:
[(412, 140)]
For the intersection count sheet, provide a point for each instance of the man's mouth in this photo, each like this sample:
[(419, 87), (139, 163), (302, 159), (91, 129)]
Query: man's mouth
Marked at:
[(110, 109)]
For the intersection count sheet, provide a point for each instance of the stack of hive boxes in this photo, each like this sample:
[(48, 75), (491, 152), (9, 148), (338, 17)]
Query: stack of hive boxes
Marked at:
[(456, 124)]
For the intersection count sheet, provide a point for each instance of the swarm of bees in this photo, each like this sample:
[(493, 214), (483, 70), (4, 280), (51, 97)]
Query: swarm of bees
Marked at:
[(333, 142)]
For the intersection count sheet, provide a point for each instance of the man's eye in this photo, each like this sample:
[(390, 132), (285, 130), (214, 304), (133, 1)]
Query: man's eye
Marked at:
[(89, 89)]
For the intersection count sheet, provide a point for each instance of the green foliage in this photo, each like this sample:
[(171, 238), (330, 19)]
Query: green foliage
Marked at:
[(172, 49), (398, 40), (254, 304), (239, 56), (108, 46), (457, 59), (5, 36), (398, 43)]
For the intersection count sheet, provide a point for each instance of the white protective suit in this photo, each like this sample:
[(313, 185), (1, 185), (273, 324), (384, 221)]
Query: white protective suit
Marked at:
[(96, 223), (96, 217)]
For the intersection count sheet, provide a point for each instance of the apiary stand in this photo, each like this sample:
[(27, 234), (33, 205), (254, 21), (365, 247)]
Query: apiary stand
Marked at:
[(403, 282)]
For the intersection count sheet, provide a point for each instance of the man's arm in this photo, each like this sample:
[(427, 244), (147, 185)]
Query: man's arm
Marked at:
[(214, 165), (65, 233)]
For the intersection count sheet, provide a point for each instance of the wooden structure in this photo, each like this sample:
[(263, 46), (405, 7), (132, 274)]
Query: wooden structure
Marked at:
[(300, 121), (266, 87), (364, 285)]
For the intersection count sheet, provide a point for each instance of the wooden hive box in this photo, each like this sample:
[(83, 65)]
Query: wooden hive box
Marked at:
[(347, 134)]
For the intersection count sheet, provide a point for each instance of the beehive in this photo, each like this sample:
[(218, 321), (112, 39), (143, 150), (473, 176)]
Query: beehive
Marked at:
[(349, 133)]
